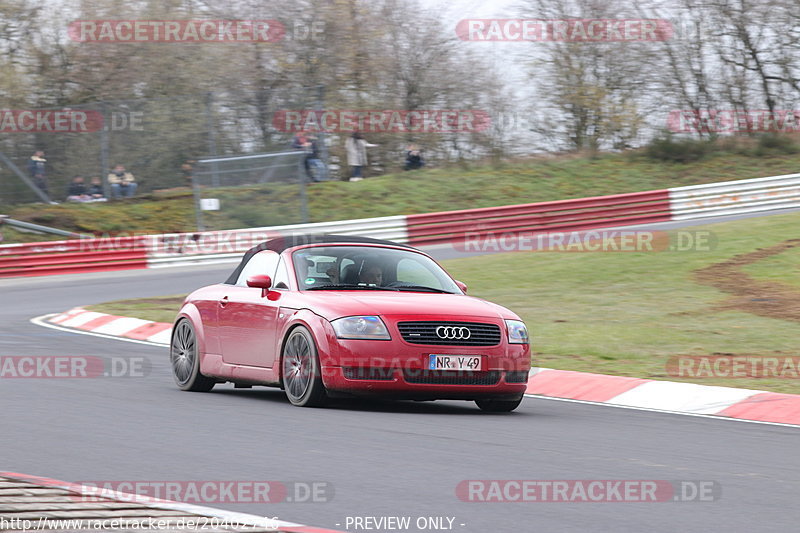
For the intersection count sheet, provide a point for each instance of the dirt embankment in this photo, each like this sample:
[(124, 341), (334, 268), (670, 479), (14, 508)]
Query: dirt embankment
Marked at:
[(762, 298)]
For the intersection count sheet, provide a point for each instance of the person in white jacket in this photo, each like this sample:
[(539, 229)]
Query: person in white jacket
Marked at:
[(356, 148)]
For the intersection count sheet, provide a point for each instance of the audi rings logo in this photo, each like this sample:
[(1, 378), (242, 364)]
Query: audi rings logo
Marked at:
[(453, 332)]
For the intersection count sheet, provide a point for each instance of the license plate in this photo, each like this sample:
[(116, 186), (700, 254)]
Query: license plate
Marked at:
[(455, 362)]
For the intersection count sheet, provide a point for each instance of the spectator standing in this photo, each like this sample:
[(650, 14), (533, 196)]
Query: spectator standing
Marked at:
[(187, 171), (308, 144), (36, 169), (123, 184), (300, 142), (414, 158), (356, 148), (313, 160)]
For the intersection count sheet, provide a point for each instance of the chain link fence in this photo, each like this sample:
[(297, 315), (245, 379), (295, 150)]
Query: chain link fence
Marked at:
[(158, 140), (252, 190)]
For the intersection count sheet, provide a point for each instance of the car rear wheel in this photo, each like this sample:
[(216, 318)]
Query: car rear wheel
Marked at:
[(183, 355), (498, 406), (302, 379)]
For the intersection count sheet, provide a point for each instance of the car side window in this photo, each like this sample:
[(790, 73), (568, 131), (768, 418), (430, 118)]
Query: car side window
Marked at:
[(264, 262), (281, 280)]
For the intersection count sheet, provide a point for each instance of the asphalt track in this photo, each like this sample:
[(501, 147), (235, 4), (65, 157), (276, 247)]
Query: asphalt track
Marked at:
[(383, 459)]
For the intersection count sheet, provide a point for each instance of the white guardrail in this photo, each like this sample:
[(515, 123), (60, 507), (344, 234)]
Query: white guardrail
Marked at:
[(228, 246), (735, 197)]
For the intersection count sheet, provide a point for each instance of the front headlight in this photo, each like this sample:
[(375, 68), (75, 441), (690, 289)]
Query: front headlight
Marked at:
[(517, 332), (361, 327)]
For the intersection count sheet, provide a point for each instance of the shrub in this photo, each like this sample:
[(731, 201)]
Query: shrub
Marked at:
[(666, 148)]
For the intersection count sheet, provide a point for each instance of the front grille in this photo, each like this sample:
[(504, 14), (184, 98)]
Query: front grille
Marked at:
[(451, 377), (425, 333), (368, 373), (516, 377)]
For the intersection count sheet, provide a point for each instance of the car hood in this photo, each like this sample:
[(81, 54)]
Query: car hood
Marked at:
[(332, 305)]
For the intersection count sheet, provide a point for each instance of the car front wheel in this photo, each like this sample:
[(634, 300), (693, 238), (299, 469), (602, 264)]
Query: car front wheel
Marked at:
[(302, 378)]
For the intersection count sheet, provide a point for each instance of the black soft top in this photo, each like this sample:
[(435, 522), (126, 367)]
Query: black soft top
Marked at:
[(279, 244)]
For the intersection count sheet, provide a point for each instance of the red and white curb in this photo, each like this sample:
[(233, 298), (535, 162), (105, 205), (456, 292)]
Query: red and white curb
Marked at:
[(154, 503), (113, 326), (667, 396), (616, 391)]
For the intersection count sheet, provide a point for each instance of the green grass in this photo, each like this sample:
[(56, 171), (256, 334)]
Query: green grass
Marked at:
[(160, 309), (627, 313), (622, 313), (784, 267), (427, 190)]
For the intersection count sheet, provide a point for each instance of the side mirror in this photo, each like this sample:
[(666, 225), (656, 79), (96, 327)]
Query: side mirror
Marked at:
[(462, 286), (260, 281)]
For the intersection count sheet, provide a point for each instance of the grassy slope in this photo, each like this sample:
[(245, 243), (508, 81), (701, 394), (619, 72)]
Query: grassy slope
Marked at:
[(622, 313), (423, 191), (627, 313)]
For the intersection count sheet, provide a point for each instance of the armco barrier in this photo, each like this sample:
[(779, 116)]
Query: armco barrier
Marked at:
[(118, 253), (562, 215), (735, 197), (73, 256), (680, 203), (215, 246)]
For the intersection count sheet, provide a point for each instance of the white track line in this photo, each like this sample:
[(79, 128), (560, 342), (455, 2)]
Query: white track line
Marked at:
[(637, 408)]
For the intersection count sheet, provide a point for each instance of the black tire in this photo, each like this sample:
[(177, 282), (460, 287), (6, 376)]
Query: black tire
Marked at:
[(185, 360), (300, 370), (498, 406)]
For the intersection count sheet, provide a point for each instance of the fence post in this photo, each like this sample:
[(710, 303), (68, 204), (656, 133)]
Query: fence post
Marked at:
[(198, 210), (104, 150), (212, 138), (303, 180), (323, 145)]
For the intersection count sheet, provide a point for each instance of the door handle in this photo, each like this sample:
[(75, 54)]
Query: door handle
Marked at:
[(224, 301)]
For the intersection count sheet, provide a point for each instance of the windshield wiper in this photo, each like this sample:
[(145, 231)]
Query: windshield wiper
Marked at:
[(350, 286), (423, 288)]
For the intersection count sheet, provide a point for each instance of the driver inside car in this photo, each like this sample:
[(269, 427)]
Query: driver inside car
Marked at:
[(371, 274)]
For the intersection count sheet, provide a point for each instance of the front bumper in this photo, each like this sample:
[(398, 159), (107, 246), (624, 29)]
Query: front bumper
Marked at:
[(398, 369)]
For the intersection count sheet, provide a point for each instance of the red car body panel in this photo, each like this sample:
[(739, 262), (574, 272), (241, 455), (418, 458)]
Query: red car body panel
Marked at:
[(241, 333)]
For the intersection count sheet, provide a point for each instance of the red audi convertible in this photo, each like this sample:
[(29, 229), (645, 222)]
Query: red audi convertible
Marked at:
[(323, 316)]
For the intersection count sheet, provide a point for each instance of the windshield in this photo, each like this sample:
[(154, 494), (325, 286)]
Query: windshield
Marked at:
[(369, 268)]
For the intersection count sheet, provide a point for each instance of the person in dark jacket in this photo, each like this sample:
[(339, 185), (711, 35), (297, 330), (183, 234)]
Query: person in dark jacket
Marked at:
[(314, 165), (96, 190), (414, 158), (76, 192), (36, 169)]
